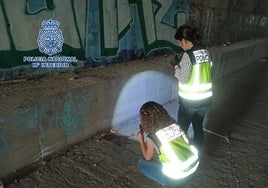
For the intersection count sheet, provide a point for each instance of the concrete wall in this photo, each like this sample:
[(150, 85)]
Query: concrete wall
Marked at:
[(101, 32), (223, 21), (236, 56), (54, 112), (66, 109), (96, 32), (70, 108)]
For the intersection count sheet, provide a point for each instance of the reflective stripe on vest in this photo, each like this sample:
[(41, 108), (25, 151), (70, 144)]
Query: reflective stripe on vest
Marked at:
[(200, 85), (178, 158)]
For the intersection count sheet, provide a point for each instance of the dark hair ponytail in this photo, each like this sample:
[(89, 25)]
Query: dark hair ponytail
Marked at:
[(189, 33)]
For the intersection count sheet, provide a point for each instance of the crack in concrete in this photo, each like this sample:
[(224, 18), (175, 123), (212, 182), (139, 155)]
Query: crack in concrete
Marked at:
[(232, 161), (227, 140)]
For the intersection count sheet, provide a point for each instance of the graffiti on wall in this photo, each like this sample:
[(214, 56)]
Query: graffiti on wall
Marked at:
[(123, 29), (71, 118), (67, 114), (115, 30), (4, 145), (241, 20)]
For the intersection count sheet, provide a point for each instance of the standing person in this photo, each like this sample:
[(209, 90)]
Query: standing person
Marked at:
[(177, 160), (193, 72)]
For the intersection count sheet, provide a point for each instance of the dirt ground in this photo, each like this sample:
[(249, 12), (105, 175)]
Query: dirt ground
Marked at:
[(234, 153)]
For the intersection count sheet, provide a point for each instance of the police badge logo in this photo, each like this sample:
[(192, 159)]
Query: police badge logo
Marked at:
[(50, 39)]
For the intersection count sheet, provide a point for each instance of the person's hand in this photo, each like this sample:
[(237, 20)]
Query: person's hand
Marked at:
[(140, 136), (177, 67)]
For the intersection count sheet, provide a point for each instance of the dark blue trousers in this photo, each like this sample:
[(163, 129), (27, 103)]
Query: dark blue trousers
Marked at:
[(193, 112)]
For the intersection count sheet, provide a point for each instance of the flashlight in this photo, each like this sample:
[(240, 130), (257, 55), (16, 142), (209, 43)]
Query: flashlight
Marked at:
[(141, 129)]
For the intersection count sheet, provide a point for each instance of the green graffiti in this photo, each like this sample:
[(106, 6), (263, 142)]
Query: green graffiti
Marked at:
[(11, 41), (35, 6)]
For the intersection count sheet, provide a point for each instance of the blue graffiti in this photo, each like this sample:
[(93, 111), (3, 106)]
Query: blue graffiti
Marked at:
[(2, 120), (3, 144), (72, 118), (3, 141), (25, 119)]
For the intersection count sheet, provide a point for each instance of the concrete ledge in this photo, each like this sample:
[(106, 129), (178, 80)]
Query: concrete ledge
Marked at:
[(237, 56), (40, 117)]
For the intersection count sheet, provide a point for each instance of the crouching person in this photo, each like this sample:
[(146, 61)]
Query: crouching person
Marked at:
[(159, 134)]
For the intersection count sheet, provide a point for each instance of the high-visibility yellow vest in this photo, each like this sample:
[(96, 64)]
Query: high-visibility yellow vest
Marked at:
[(200, 85), (179, 159)]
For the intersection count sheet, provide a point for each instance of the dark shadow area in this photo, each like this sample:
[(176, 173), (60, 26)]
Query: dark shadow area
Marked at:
[(233, 96)]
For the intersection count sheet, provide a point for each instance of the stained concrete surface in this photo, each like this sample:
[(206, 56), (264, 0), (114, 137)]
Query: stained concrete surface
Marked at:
[(234, 153)]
